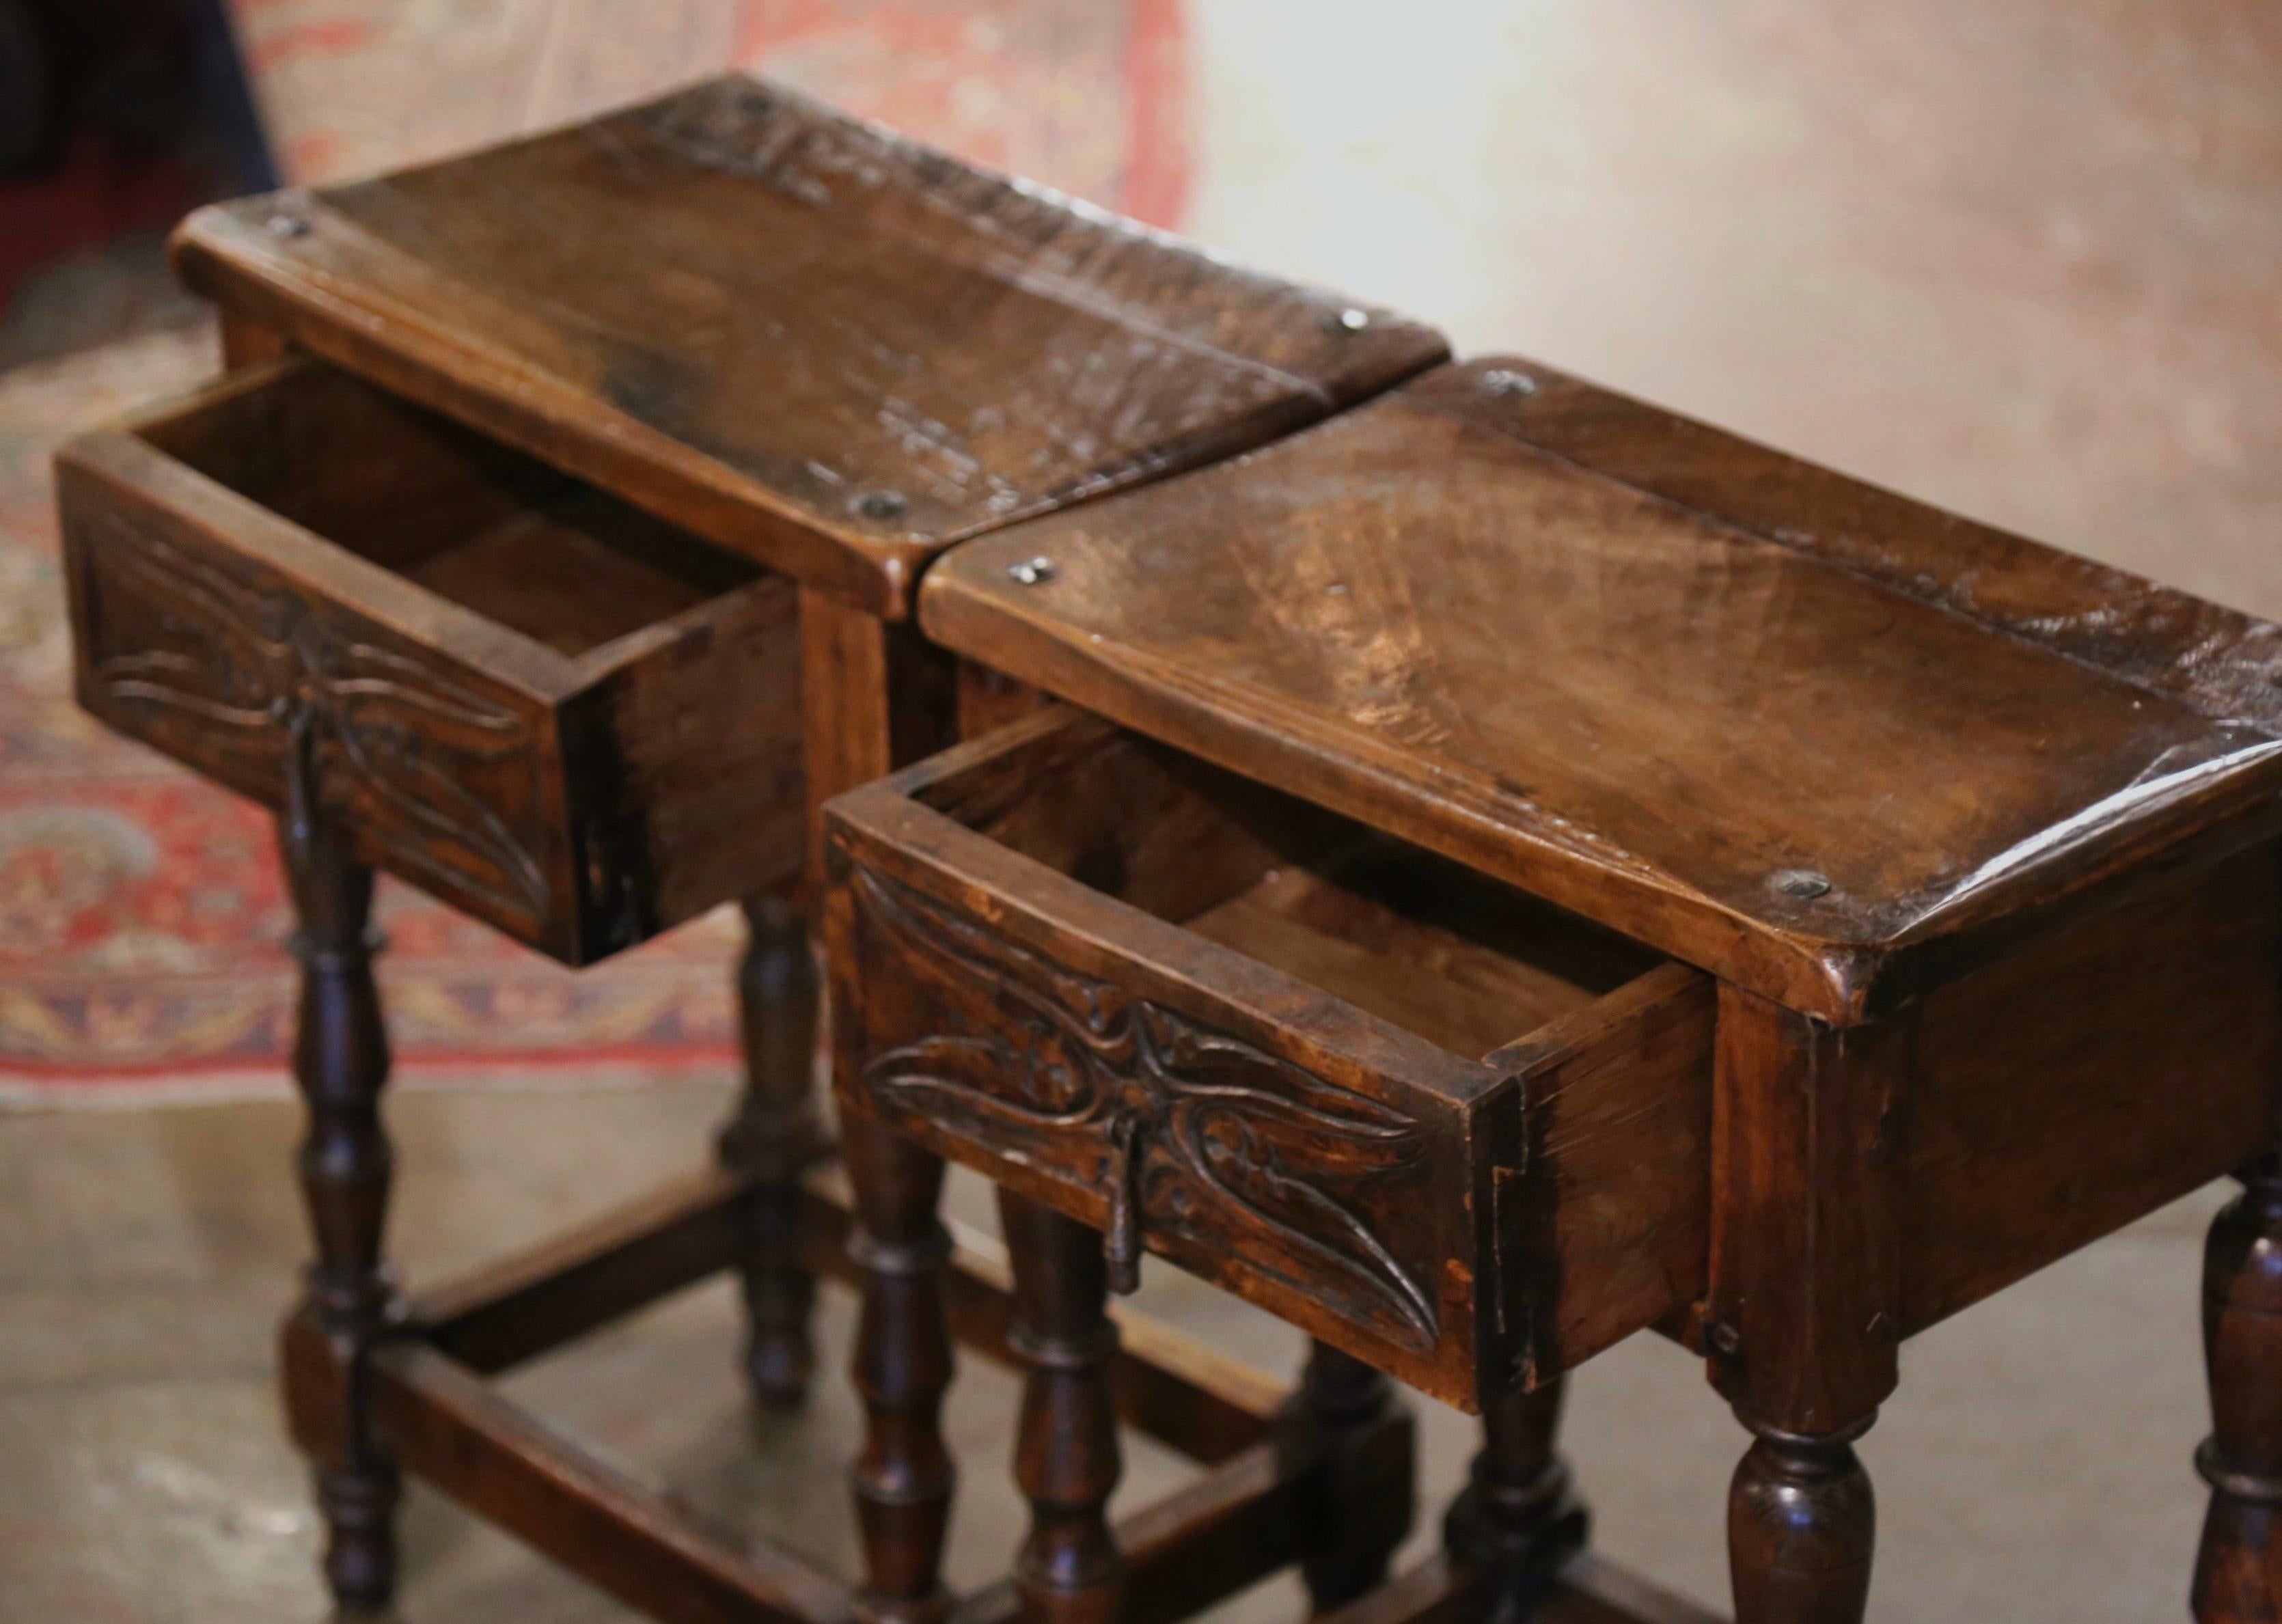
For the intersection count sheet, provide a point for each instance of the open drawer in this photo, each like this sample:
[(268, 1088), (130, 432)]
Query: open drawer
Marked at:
[(552, 711), (1459, 1133)]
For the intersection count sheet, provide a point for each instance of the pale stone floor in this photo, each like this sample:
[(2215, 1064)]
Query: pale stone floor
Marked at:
[(2034, 1466)]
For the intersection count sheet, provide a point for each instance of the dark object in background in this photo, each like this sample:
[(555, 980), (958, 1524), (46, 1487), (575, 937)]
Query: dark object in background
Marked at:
[(117, 117), (114, 75), (226, 98), (28, 101), (152, 78)]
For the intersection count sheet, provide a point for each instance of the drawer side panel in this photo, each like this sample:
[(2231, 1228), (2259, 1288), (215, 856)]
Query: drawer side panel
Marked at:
[(692, 755), (1608, 1224)]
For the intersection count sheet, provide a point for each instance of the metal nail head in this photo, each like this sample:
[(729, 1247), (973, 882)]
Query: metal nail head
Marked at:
[(882, 505), (1353, 319), (1507, 383), (287, 225), (1804, 884), (1033, 571)]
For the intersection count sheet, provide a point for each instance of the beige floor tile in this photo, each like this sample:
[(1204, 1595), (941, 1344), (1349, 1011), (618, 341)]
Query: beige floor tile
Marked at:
[(2034, 1466)]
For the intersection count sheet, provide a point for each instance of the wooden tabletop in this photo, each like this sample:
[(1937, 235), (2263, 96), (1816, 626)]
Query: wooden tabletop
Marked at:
[(1824, 742), (793, 332)]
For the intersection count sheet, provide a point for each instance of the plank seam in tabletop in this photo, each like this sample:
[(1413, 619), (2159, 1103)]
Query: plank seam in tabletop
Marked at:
[(538, 407), (240, 255), (1021, 269)]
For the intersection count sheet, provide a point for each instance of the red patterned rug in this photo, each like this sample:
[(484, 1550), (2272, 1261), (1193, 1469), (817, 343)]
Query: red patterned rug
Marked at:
[(1085, 95), (140, 910)]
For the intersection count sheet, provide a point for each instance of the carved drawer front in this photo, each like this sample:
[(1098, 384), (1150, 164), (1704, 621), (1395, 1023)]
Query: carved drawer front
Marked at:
[(1460, 1134), (558, 713)]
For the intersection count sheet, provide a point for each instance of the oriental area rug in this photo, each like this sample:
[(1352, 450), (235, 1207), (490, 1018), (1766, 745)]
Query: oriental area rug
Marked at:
[(141, 917)]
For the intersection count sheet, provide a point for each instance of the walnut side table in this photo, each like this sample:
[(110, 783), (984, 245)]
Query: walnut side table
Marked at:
[(1538, 868), (551, 546)]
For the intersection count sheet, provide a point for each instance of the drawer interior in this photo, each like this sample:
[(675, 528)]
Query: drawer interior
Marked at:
[(1424, 944), (488, 528)]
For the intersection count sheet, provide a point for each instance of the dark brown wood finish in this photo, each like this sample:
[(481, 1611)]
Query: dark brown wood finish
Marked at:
[(1291, 1125), (340, 1061), (883, 697), (1069, 1570), (1835, 784), (1800, 1522), (1261, 1506), (901, 1367), (1517, 1522), (2094, 1075), (1345, 1413), (1234, 1527), (639, 1545), (512, 678), (1978, 837), (512, 685), (1805, 1303), (1975, 838), (793, 332), (1167, 1386), (877, 697), (880, 698), (246, 343), (2238, 1568), (1806, 1300), (2219, 662), (775, 1136), (1235, 1524)]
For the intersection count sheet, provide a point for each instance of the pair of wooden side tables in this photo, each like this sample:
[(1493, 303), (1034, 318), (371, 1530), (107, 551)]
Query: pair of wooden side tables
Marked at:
[(1471, 862)]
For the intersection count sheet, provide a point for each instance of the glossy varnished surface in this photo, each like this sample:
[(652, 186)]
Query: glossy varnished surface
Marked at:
[(793, 332), (1780, 725)]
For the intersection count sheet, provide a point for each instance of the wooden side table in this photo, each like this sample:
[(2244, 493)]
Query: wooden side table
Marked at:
[(1539, 867), (552, 548)]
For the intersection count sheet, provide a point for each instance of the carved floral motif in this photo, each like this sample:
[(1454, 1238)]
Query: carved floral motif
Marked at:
[(252, 666), (1221, 1136)]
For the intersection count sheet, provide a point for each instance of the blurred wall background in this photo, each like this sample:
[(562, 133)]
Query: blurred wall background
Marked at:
[(2019, 259)]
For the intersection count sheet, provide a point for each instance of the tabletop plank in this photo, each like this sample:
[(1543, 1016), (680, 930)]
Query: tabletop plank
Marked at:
[(1812, 757), (799, 334)]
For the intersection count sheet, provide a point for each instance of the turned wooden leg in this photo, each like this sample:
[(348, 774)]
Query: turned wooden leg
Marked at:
[(902, 1366), (1801, 1527), (1806, 1294), (1517, 1519), (2238, 1571), (340, 1061), (1339, 1416), (774, 1135), (1066, 1458)]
